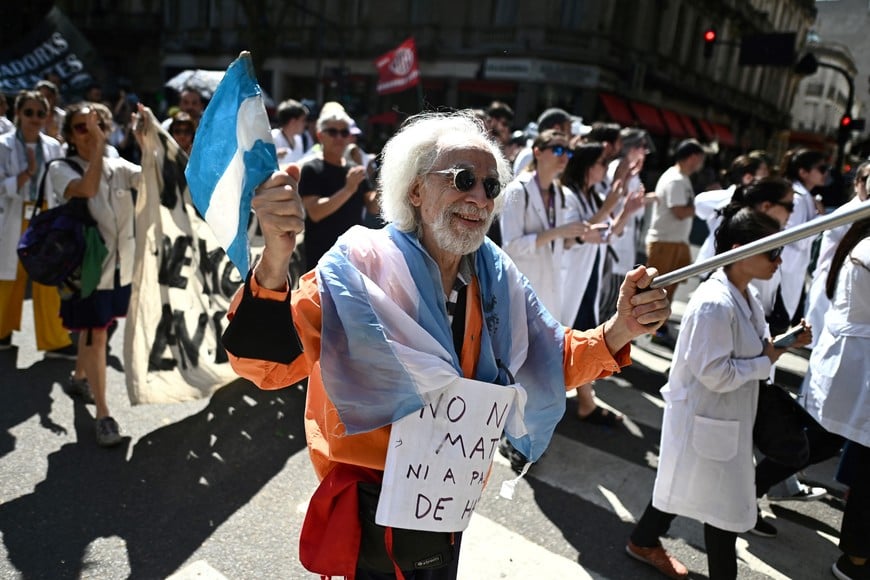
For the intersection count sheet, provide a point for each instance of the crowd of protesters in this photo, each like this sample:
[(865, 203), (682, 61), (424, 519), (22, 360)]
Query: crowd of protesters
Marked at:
[(576, 219)]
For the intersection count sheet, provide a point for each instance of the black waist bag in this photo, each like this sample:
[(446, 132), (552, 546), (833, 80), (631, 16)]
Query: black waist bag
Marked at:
[(779, 431), (412, 549)]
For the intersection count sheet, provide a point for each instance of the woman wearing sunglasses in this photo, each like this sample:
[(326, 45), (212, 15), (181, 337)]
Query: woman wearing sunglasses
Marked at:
[(723, 350), (540, 225), (24, 154), (106, 183)]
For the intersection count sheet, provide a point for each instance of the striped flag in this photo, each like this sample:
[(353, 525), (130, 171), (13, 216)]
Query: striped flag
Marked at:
[(232, 154)]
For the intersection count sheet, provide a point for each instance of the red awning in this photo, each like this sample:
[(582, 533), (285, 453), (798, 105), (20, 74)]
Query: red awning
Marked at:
[(724, 135), (707, 129), (674, 125), (650, 118), (618, 110), (689, 125)]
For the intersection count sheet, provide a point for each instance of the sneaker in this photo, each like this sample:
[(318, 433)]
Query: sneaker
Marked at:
[(659, 559), (69, 352), (844, 569), (763, 528), (107, 432), (6, 342), (79, 388), (805, 493)]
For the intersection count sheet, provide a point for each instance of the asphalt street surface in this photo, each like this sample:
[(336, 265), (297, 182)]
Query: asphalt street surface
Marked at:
[(217, 488)]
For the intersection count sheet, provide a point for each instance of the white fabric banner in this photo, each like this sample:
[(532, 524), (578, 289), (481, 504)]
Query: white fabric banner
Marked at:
[(439, 458), (182, 286)]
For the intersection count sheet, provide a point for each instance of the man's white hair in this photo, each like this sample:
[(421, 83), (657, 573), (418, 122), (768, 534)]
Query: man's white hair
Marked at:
[(413, 151)]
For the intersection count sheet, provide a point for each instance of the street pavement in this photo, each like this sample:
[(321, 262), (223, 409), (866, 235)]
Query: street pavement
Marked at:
[(217, 488)]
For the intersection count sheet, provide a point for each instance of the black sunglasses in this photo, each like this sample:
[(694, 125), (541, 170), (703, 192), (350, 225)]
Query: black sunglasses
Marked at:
[(788, 205), (82, 128), (30, 112), (559, 150), (774, 254), (464, 180), (335, 132)]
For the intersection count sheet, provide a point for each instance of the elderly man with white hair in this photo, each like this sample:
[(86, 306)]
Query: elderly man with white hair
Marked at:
[(397, 329)]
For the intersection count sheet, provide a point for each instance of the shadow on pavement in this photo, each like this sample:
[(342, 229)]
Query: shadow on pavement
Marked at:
[(28, 395), (179, 485)]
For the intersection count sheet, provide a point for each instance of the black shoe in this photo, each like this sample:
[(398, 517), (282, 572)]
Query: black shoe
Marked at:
[(763, 528), (844, 569), (517, 459)]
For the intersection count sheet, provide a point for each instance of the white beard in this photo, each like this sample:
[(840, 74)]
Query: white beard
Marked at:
[(465, 242)]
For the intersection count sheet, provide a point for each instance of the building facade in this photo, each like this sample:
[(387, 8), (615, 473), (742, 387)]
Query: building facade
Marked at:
[(638, 62)]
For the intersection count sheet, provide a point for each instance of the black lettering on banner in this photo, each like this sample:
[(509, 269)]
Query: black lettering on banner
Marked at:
[(220, 353), (209, 267), (498, 417), (493, 443), (469, 508), (449, 475), (230, 280), (416, 472), (174, 258), (478, 448), (433, 410), (424, 507), (455, 416), (476, 476), (172, 330), (448, 438)]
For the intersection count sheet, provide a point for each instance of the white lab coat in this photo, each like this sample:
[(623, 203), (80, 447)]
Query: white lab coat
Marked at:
[(557, 274), (817, 299), (13, 160), (707, 206), (839, 388), (706, 470), (796, 255)]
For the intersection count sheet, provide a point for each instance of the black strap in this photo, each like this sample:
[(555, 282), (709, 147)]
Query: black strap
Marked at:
[(40, 197), (458, 325)]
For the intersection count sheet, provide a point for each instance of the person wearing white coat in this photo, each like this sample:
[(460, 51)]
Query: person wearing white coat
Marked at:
[(540, 227), (838, 395), (24, 155), (723, 350)]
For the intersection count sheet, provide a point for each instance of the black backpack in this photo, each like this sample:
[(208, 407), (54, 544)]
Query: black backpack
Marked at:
[(53, 245)]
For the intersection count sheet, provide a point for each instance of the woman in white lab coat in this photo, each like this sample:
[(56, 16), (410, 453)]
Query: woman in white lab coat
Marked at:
[(540, 226), (706, 466), (839, 389)]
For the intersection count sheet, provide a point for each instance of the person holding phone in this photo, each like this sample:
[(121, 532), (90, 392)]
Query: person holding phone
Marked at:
[(723, 351)]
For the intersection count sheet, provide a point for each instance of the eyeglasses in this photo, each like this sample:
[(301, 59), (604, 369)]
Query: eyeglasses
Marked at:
[(788, 205), (464, 180), (335, 132), (823, 168), (30, 112), (82, 128), (559, 150), (774, 254)]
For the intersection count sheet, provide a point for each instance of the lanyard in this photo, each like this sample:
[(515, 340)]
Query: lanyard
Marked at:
[(40, 161)]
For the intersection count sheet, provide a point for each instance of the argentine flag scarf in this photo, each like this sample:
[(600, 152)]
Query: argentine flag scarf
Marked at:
[(387, 347)]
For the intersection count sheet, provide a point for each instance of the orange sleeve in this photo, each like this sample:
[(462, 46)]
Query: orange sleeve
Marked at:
[(586, 357), (305, 306)]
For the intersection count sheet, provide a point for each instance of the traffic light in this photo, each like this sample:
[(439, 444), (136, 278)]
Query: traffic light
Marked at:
[(846, 123), (709, 42)]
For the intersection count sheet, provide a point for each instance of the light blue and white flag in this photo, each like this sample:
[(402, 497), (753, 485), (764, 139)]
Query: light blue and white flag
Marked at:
[(232, 154)]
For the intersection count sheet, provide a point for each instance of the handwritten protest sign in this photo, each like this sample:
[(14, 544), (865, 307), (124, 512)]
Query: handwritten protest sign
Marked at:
[(439, 457)]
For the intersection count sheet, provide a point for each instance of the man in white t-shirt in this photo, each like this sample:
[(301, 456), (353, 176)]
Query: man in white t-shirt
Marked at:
[(667, 240), (288, 134)]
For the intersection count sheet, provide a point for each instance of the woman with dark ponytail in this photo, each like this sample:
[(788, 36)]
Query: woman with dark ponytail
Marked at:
[(722, 354), (839, 390)]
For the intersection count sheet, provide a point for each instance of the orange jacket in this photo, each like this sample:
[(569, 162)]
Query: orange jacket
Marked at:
[(586, 358)]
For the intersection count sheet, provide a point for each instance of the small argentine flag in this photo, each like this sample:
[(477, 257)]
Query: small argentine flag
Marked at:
[(232, 154)]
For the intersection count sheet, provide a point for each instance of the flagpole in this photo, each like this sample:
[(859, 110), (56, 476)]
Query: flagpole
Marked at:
[(788, 236)]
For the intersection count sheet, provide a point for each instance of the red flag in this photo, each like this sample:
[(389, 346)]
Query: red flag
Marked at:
[(397, 69)]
